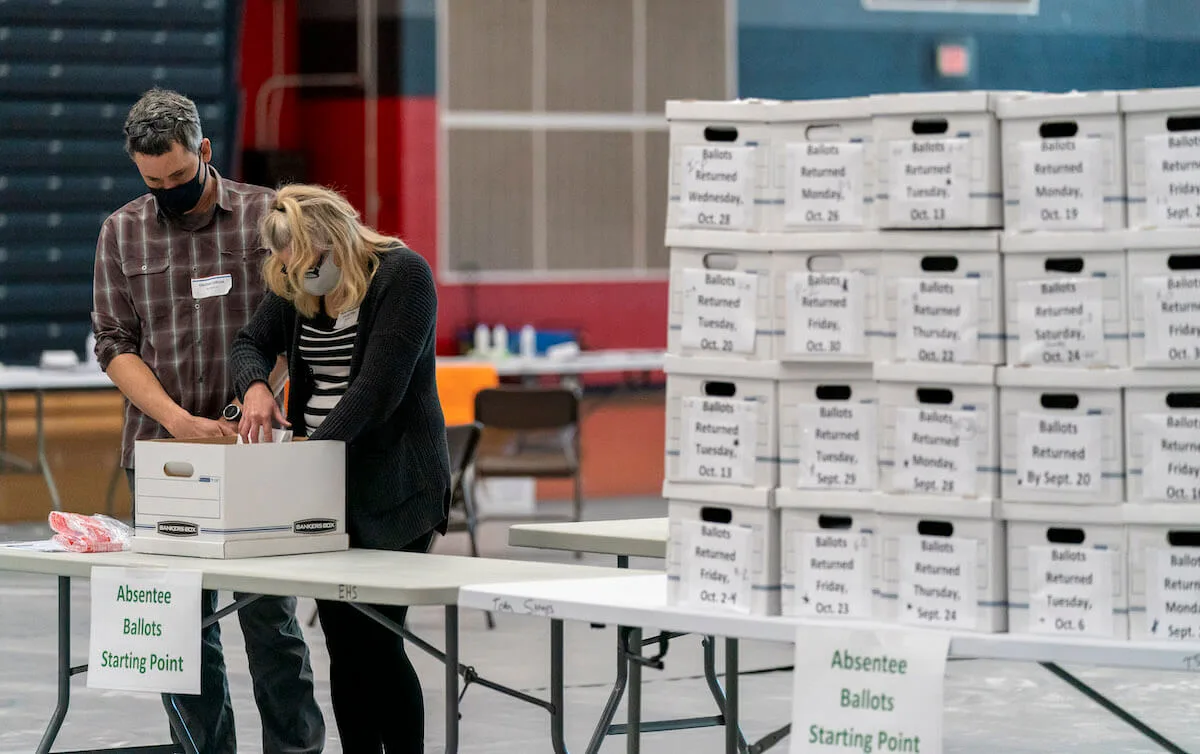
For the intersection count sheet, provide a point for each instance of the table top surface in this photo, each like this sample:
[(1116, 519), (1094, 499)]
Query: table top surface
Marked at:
[(635, 537), (83, 377)]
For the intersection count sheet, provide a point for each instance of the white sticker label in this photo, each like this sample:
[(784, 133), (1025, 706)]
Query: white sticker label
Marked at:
[(1173, 593), (214, 285), (718, 185), (346, 319), (936, 452), (937, 320), (719, 440), (833, 579), (715, 566), (1061, 183), (938, 582), (1170, 457), (825, 313), (1060, 453), (1061, 322), (1173, 180), (1070, 591), (719, 310), (837, 446), (1172, 319), (824, 185), (930, 182)]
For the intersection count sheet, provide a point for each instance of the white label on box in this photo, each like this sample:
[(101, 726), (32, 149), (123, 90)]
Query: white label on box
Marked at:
[(834, 579), (1070, 591), (718, 187), (1172, 313), (936, 452), (1061, 184), (719, 310), (1170, 457), (715, 566), (825, 313), (930, 182), (837, 446), (937, 320), (1173, 593), (1059, 453), (1060, 322), (145, 633), (824, 185), (719, 439), (1173, 179), (937, 582)]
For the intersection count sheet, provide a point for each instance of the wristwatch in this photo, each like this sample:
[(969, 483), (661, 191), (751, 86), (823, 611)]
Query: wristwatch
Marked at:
[(232, 412)]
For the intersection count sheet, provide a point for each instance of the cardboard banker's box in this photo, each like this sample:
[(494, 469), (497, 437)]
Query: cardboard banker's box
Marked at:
[(214, 498)]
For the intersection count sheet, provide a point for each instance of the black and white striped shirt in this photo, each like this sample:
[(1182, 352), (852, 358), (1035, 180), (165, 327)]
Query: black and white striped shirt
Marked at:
[(326, 346)]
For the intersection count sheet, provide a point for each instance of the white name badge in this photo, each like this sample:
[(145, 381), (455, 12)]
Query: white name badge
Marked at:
[(346, 319), (214, 285)]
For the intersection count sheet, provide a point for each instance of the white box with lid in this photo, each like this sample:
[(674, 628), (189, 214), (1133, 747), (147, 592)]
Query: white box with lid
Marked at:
[(828, 565), (1164, 298), (1062, 435), (943, 297), (1162, 157), (942, 564), (1067, 570), (937, 431), (828, 424), (1065, 299), (1064, 161), (938, 160), (1162, 437), (1164, 571)]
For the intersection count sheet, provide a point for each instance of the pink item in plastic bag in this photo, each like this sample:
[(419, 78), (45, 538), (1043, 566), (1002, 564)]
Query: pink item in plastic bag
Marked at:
[(99, 533)]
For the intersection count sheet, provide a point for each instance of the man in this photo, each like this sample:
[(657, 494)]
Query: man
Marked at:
[(177, 275)]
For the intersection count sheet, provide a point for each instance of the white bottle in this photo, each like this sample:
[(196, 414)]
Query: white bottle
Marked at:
[(528, 342), (499, 341), (483, 340)]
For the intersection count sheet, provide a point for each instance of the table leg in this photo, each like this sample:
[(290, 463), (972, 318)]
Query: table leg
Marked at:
[(43, 463), (451, 661), (558, 712), (732, 737), (64, 666), (633, 734)]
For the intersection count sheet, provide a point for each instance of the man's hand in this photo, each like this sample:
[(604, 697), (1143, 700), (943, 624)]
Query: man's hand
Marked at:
[(189, 427), (259, 414)]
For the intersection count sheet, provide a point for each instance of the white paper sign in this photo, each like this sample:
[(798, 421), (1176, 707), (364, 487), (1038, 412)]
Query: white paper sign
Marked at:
[(715, 566), (837, 446), (869, 691), (930, 182), (833, 574), (1061, 184), (719, 310), (718, 187), (1173, 593), (937, 320), (825, 313), (936, 452), (1059, 452), (145, 633), (1173, 179), (719, 439), (1060, 322), (1170, 457), (1172, 319), (938, 582), (214, 285), (1070, 591), (824, 185)]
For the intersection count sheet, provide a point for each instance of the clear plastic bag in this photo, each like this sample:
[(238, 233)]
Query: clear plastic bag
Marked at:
[(99, 533)]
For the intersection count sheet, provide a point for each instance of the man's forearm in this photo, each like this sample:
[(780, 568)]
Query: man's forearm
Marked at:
[(133, 378)]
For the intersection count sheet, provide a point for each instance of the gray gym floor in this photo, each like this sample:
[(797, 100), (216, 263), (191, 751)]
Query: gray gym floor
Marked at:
[(990, 706)]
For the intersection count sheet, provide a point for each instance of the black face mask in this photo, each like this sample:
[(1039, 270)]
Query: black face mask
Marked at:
[(178, 200)]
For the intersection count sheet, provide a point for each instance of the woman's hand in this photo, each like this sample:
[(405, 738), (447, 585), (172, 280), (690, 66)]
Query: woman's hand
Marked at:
[(259, 414)]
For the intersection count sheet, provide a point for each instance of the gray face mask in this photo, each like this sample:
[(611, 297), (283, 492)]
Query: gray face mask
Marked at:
[(319, 281)]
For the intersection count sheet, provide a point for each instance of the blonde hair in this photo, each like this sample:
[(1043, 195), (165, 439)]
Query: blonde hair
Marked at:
[(313, 220)]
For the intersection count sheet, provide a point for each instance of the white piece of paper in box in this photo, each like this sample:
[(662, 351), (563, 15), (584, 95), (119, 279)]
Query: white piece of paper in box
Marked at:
[(938, 578), (1173, 593), (936, 452), (826, 313), (1170, 457), (715, 566), (1060, 184), (834, 578), (823, 186), (1173, 179), (930, 181), (719, 439), (1060, 322), (719, 310), (836, 446), (717, 190), (937, 320), (1171, 314), (1071, 591), (1059, 453)]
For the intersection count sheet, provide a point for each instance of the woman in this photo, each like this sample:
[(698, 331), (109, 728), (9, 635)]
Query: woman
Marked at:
[(354, 313)]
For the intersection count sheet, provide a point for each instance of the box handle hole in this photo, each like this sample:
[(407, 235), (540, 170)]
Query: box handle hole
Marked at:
[(720, 389), (825, 263), (1059, 129), (1184, 262), (826, 132), (834, 522), (1063, 536), (1070, 264), (713, 515), (1183, 123), (1186, 538), (926, 126), (939, 264), (1060, 401), (1183, 400), (716, 261), (721, 133), (178, 469), (935, 528), (939, 395), (833, 392)]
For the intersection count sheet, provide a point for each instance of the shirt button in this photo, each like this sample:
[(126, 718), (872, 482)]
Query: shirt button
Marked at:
[(200, 380), (143, 268), (197, 304)]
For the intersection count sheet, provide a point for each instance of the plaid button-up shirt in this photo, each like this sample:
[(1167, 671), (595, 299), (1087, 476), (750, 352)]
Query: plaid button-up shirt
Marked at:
[(144, 304)]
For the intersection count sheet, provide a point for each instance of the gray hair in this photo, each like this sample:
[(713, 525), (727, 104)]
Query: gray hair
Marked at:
[(160, 119)]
